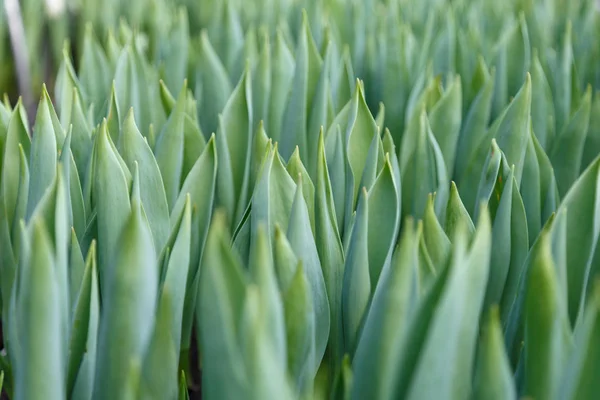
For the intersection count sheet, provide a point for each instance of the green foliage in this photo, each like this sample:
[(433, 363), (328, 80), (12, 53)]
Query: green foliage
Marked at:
[(322, 199)]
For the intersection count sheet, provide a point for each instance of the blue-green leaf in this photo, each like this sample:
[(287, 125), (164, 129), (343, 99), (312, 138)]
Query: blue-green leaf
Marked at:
[(169, 149), (40, 371), (547, 332), (110, 194), (356, 292), (493, 376), (234, 146), (452, 334), (331, 254), (306, 75), (129, 298), (135, 149), (82, 348), (567, 151), (43, 156), (303, 244), (215, 87), (219, 312), (386, 326)]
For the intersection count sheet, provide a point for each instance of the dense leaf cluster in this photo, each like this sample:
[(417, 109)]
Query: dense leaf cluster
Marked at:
[(333, 199)]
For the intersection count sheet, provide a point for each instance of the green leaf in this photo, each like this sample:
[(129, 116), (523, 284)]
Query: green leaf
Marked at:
[(511, 131), (357, 287), (94, 72), (183, 390), (81, 141), (549, 196), (129, 299), (423, 169), (427, 269), (303, 244), (176, 276), (519, 246), (452, 334), (66, 83), (113, 115), (502, 233), (53, 209), (297, 170), (266, 374), (331, 254), (12, 304), (226, 28), (567, 150), (578, 380), (443, 49), (396, 74), (518, 54), (418, 325), (131, 85), (591, 147), (235, 127), (582, 205), (174, 54), (215, 87), (435, 239), (342, 384), (43, 156), (135, 149), (337, 166), (219, 312), (159, 371), (11, 248), (76, 270), (383, 227), (386, 326), (306, 76), (373, 163), (542, 104), (110, 194), (166, 98), (457, 216), (426, 92), (262, 272), (493, 376), (318, 112), (390, 148), (262, 78), (285, 259), (282, 74), (380, 118), (493, 178), (357, 138), (475, 122), (40, 371), (345, 80), (82, 347), (445, 119), (193, 145), (21, 204), (562, 83), (200, 185), (547, 334), (261, 145), (531, 189), (273, 194), (300, 329), (169, 149)]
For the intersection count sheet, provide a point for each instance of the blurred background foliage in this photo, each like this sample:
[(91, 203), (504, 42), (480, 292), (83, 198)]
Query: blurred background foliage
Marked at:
[(382, 37)]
